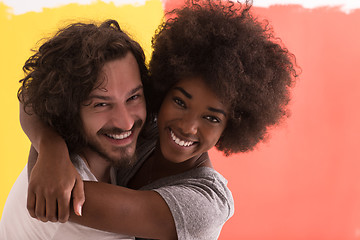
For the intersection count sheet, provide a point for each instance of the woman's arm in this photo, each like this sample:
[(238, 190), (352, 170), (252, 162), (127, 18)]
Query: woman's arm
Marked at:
[(122, 210), (195, 205), (53, 180), (191, 206)]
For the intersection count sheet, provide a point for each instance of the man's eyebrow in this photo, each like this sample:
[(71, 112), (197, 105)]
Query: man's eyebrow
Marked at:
[(188, 95), (92, 96), (102, 97), (217, 110), (136, 89)]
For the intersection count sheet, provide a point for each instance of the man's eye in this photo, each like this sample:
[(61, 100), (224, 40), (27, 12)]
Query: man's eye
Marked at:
[(100, 104), (132, 98), (179, 102), (212, 119)]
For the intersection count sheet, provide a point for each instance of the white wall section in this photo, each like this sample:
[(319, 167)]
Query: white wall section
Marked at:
[(23, 6)]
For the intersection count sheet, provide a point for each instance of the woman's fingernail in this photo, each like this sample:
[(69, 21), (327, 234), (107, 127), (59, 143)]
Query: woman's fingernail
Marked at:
[(79, 211)]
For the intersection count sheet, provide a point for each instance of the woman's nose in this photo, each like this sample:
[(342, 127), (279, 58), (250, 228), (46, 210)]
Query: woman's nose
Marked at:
[(189, 125)]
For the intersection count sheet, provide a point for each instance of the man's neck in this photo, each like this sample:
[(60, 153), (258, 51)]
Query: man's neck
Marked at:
[(99, 166)]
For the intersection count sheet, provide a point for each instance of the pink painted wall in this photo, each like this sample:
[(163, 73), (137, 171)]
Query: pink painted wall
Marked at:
[(304, 183)]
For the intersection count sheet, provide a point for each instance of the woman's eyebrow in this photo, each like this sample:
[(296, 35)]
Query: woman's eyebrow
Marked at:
[(217, 110), (188, 95)]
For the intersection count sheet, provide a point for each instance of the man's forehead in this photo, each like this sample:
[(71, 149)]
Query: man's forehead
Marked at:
[(102, 81), (103, 92), (118, 76), (101, 89)]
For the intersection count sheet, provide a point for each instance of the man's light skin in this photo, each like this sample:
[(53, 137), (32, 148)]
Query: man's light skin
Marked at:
[(102, 118), (112, 118)]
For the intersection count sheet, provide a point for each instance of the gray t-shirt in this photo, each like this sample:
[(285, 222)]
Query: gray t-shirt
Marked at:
[(199, 199)]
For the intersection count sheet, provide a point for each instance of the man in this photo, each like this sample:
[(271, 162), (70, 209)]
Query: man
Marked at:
[(86, 83)]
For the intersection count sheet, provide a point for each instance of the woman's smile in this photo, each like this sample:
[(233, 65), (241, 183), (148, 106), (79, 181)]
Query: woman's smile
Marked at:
[(191, 120), (179, 141)]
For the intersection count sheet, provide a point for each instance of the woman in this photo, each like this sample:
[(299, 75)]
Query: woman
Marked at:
[(219, 78)]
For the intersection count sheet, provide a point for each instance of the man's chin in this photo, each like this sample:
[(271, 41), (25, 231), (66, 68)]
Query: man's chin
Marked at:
[(120, 157), (126, 161)]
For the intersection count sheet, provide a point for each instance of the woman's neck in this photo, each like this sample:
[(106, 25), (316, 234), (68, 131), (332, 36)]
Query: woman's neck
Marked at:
[(157, 167), (161, 164)]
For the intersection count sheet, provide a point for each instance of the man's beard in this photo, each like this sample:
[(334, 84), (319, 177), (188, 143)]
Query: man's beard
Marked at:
[(125, 159)]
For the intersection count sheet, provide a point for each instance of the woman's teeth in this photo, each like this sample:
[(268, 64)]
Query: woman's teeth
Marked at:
[(180, 142)]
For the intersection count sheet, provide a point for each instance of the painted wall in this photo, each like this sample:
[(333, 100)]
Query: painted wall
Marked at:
[(303, 183)]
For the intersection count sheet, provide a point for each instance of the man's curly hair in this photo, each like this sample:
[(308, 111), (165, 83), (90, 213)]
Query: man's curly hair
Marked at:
[(237, 56), (60, 76)]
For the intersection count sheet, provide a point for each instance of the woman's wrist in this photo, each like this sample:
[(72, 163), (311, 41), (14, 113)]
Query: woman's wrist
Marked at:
[(52, 143)]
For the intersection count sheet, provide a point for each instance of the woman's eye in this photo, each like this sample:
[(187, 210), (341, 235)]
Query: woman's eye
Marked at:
[(179, 102), (212, 119)]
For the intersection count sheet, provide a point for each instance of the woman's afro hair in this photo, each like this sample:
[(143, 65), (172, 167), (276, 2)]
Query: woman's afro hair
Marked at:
[(236, 55)]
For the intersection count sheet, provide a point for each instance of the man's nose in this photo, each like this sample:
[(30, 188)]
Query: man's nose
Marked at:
[(122, 118)]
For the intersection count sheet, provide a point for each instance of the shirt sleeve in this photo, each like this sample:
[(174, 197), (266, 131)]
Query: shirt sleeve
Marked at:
[(200, 205)]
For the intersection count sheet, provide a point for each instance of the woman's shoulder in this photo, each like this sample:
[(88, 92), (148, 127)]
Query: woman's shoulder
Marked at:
[(199, 201), (205, 178)]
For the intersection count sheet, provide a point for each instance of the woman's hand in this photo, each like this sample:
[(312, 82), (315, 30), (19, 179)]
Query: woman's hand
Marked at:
[(53, 183), (53, 180)]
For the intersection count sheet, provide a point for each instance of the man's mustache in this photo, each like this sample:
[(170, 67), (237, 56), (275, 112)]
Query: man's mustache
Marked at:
[(115, 130)]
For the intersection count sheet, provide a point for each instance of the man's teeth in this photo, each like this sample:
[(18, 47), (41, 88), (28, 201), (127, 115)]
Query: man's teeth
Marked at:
[(119, 136), (180, 142)]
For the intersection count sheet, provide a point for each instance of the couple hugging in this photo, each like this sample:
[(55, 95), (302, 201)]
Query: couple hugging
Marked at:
[(120, 148)]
